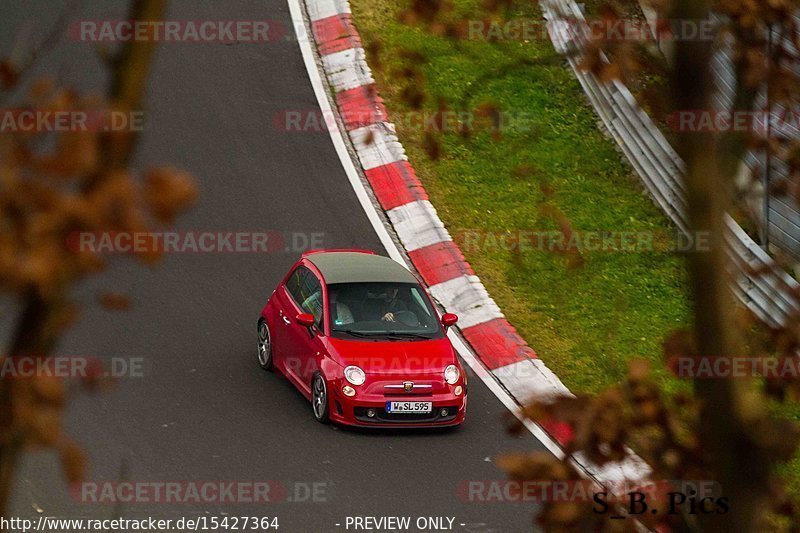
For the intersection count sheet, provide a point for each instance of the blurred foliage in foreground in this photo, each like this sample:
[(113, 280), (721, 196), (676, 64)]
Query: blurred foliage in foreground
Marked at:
[(55, 185)]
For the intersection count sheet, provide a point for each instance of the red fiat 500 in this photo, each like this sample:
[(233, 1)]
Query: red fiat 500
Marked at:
[(358, 335)]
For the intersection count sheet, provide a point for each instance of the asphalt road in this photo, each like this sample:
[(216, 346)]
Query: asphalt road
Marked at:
[(203, 409)]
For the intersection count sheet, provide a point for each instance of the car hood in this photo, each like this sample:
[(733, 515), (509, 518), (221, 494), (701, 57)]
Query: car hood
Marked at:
[(394, 357)]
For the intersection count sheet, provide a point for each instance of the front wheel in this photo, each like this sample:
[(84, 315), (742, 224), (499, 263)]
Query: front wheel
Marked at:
[(264, 346), (319, 398)]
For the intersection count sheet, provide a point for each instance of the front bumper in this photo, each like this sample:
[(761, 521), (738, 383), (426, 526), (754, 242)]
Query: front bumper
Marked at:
[(352, 411)]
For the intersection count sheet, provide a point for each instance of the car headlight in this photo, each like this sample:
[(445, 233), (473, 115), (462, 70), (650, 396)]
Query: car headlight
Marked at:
[(355, 375), (451, 374)]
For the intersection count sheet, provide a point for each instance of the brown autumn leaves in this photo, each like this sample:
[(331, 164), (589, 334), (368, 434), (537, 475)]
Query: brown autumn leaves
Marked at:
[(50, 196), (54, 185)]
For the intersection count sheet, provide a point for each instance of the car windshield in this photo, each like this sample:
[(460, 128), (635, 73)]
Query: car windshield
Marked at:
[(399, 311)]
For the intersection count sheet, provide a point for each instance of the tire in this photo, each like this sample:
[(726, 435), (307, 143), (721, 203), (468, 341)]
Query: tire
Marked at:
[(264, 346), (319, 398)]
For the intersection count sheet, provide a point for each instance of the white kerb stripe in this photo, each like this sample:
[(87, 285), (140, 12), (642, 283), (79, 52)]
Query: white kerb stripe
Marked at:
[(530, 380), (377, 145), (337, 136), (347, 69), (417, 225), (632, 468), (321, 9), (466, 296)]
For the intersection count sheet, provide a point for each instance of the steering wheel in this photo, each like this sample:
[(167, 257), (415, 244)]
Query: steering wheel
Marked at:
[(407, 318)]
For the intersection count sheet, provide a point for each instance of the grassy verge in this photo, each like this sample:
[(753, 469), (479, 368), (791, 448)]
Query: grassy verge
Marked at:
[(585, 321)]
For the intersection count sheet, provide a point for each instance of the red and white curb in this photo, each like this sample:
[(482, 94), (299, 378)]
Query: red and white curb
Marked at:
[(427, 242)]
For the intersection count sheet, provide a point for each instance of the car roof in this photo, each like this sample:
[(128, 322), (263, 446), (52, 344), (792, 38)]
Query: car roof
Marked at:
[(355, 267)]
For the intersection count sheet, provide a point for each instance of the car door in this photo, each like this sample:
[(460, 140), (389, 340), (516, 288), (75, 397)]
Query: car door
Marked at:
[(302, 344), (286, 311)]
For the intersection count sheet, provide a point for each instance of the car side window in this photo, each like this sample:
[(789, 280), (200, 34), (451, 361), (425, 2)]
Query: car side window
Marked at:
[(311, 295), (295, 283), (306, 291)]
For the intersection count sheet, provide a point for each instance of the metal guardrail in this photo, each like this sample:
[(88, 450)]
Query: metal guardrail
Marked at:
[(784, 212), (758, 282)]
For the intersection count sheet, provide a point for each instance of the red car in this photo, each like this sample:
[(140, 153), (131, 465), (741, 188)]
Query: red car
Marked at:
[(358, 335)]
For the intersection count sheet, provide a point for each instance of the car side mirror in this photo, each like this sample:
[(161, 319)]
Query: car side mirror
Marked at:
[(305, 319), (449, 319)]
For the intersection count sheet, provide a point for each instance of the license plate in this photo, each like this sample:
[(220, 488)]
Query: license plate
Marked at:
[(409, 407)]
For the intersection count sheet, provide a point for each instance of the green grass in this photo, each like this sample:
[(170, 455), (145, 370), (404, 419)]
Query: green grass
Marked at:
[(585, 322)]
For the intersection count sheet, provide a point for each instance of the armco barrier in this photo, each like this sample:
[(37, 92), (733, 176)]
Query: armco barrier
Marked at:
[(784, 211), (758, 282)]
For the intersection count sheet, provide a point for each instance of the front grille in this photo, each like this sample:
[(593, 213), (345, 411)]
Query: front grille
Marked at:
[(394, 387), (381, 415), (416, 390)]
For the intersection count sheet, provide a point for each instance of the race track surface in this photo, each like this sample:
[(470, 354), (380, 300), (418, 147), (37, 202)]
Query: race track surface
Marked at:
[(204, 410)]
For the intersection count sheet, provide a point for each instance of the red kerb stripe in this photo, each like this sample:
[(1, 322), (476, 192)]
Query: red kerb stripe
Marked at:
[(440, 262), (335, 33), (395, 184), (361, 106), (497, 343)]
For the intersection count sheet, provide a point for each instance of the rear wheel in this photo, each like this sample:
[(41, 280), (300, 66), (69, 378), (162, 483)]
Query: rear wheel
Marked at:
[(319, 398), (264, 346)]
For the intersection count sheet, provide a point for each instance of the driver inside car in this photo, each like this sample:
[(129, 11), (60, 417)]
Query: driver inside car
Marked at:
[(392, 304)]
